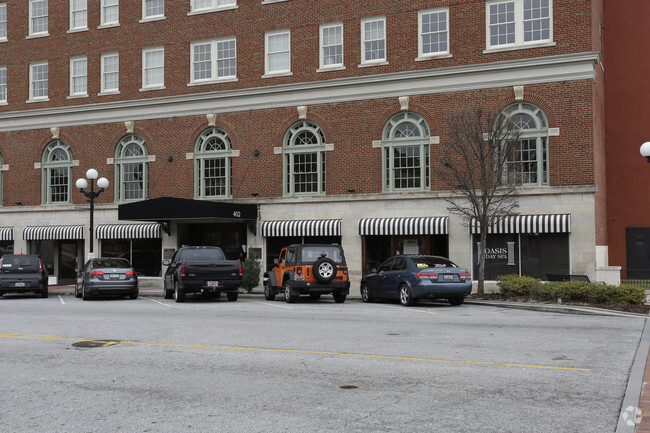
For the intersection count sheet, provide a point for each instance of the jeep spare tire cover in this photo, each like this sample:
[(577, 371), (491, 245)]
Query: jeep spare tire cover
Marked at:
[(324, 270)]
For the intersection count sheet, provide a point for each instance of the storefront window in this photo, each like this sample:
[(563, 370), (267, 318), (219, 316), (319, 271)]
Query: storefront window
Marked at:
[(143, 254)]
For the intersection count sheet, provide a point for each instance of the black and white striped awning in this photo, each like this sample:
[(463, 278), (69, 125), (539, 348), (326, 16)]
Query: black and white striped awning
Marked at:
[(53, 233), (403, 226), (6, 233), (128, 231), (528, 224), (301, 228)]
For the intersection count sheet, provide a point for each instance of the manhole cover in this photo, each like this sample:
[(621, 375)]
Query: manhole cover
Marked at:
[(95, 343), (349, 386)]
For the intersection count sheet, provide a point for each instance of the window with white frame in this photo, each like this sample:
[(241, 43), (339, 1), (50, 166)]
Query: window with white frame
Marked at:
[(304, 159), (57, 173), (78, 14), (214, 60), (153, 9), (210, 5), (373, 40), (213, 164), (38, 17), (3, 21), (131, 169), (110, 73), (3, 84), (153, 67), (38, 81), (405, 153), (278, 52), (434, 32), (530, 164), (517, 23), (110, 12), (331, 45), (79, 76)]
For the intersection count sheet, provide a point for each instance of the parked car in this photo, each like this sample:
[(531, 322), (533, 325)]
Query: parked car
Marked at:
[(308, 269), (21, 273), (106, 276), (410, 278)]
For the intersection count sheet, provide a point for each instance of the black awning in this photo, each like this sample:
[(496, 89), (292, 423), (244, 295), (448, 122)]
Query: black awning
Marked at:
[(171, 208)]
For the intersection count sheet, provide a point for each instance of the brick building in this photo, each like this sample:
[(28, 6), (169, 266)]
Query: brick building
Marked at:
[(256, 123)]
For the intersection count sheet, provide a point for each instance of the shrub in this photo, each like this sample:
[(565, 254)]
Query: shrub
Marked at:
[(515, 285), (252, 268)]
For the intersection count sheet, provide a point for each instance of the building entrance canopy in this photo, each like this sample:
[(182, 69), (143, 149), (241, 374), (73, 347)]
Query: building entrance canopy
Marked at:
[(171, 208)]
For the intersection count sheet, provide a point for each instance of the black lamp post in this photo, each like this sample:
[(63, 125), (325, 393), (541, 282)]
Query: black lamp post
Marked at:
[(91, 195)]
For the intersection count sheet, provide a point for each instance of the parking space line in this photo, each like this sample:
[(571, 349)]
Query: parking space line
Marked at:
[(61, 299), (161, 303), (278, 306), (406, 309)]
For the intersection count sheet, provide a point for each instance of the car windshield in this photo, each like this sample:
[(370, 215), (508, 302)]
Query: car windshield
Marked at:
[(203, 254), (311, 254), (14, 262), (111, 263), (433, 262)]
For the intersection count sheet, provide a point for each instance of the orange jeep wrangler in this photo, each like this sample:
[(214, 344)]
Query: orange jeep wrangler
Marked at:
[(308, 269)]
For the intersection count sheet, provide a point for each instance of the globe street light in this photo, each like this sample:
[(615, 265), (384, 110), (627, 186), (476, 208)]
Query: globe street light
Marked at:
[(645, 150), (91, 195)]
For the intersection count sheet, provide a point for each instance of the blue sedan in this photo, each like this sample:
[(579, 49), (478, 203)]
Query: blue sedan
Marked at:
[(409, 278)]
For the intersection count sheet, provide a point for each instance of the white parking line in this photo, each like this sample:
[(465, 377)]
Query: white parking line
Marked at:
[(278, 306), (161, 303), (407, 309), (61, 299)]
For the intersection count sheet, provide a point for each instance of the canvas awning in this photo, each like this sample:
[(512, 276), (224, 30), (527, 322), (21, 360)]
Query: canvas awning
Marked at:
[(403, 226)]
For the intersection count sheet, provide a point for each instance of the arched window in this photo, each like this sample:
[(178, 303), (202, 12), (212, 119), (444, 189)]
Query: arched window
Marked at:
[(57, 173), (304, 159), (405, 153), (213, 164), (131, 175), (530, 163), (1, 176)]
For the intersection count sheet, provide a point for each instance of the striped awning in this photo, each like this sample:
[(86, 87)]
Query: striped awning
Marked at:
[(51, 233), (403, 226), (528, 224), (128, 231), (301, 228), (6, 233)]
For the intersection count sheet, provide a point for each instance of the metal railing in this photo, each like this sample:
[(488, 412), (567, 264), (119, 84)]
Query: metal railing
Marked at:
[(638, 277)]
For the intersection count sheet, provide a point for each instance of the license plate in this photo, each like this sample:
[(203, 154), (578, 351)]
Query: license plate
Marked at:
[(20, 285), (213, 283), (115, 276), (448, 277)]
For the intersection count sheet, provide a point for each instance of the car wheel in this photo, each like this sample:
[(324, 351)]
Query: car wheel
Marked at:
[(287, 293), (45, 293), (85, 296), (338, 297), (77, 294), (405, 297), (232, 296), (179, 294), (269, 292), (365, 294), (457, 300), (134, 295), (324, 270), (169, 294), (314, 296)]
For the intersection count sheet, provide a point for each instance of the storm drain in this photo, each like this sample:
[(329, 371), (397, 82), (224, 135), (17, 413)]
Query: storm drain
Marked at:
[(95, 343)]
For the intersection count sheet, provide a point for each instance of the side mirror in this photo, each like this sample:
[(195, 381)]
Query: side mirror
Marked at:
[(374, 270), (166, 262)]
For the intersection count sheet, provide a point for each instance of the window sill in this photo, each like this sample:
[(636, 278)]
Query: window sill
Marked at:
[(33, 101), (109, 92), (153, 19), (4, 40), (222, 80), (278, 74), (370, 65), (80, 95), (434, 57), (108, 26), (148, 89), (209, 11), (36, 36), (3, 103), (268, 2), (331, 68), (518, 47), (77, 30)]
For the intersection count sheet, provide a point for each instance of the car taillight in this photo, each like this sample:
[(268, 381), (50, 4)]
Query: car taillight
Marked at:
[(465, 275), (241, 269), (40, 266), (95, 273), (426, 275), (182, 271), (299, 270), (344, 269), (131, 274)]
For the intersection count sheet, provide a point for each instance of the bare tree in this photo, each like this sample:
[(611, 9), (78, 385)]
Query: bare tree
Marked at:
[(480, 167)]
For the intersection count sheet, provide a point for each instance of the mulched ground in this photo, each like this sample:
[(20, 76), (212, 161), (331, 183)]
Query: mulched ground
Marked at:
[(640, 309)]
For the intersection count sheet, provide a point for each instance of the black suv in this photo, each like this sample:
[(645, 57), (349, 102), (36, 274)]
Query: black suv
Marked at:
[(23, 273)]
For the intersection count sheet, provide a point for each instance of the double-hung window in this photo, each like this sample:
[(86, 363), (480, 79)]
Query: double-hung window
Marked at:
[(212, 5), (57, 173), (434, 33), (153, 9), (3, 22), (38, 18), (519, 23), (277, 48), (110, 13), (78, 14), (3, 84), (214, 60), (331, 45), (79, 76), (304, 159), (373, 41), (38, 81), (153, 67), (131, 169), (213, 164), (110, 73)]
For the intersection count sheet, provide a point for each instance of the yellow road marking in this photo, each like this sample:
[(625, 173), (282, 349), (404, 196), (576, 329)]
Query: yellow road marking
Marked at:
[(307, 352)]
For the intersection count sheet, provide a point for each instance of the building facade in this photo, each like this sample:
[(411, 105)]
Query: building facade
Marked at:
[(254, 124)]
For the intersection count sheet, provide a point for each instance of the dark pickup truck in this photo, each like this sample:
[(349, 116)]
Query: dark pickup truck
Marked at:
[(201, 270)]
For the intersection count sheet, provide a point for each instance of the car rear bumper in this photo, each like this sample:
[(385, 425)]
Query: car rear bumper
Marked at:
[(9, 286), (302, 287), (111, 287), (442, 291), (204, 286)]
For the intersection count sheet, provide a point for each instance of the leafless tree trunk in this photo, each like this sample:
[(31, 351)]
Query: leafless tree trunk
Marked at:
[(480, 167)]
